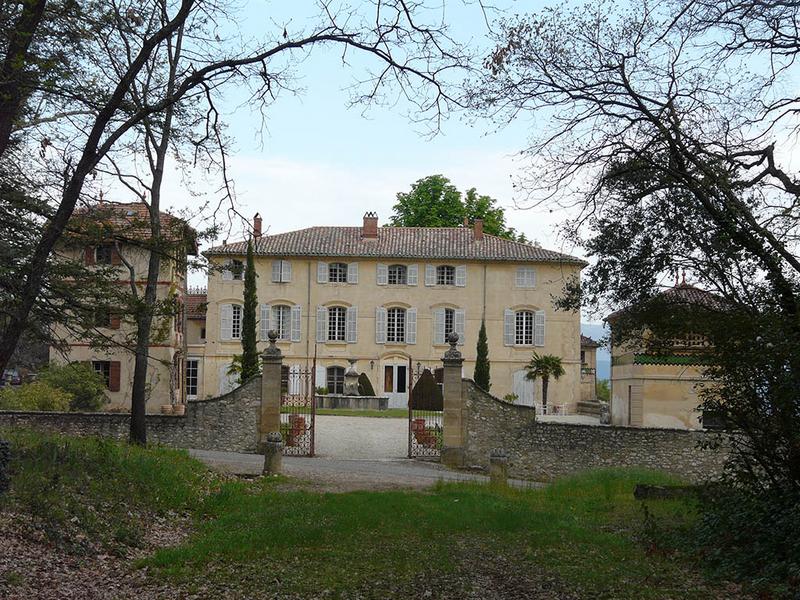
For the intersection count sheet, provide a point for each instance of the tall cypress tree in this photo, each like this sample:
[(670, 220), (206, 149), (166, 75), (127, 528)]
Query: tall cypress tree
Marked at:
[(249, 348), (482, 376)]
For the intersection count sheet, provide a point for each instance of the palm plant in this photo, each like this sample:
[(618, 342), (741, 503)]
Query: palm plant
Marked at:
[(544, 367)]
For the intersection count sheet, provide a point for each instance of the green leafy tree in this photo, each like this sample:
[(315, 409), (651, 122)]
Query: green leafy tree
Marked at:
[(482, 366), (81, 381), (435, 202), (249, 347), (602, 390), (544, 367)]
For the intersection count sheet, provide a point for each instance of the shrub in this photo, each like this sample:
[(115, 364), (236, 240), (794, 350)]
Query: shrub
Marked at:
[(35, 396), (365, 386), (86, 386), (511, 398), (602, 390)]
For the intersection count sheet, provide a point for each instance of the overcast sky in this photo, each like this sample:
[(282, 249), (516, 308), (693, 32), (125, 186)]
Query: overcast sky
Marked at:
[(321, 163)]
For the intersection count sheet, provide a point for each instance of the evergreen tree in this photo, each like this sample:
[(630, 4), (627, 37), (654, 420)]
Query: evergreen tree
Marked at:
[(249, 349), (482, 375)]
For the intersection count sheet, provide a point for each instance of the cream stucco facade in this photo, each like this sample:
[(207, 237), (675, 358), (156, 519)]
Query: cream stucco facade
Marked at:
[(167, 348), (486, 289)]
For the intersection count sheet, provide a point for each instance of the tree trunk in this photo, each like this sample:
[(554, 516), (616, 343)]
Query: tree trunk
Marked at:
[(12, 72), (545, 381)]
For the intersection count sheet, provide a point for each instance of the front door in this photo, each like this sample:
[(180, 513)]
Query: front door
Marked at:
[(395, 384)]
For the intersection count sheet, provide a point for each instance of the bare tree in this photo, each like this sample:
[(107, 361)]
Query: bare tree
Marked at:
[(408, 55)]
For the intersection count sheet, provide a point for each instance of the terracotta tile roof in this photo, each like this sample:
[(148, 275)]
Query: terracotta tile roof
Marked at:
[(196, 306), (587, 342), (683, 294), (130, 220), (456, 243)]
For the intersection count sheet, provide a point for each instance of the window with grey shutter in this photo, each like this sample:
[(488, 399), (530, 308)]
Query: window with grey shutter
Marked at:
[(538, 328), (460, 324), (430, 275), (225, 321), (286, 271), (322, 324), (351, 329), (526, 277), (508, 327), (412, 274), (297, 312), (439, 334), (352, 272), (276, 271), (322, 272), (380, 325), (461, 275), (382, 274), (411, 326), (264, 322), (227, 273)]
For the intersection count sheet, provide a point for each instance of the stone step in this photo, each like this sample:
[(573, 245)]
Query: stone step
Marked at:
[(589, 408)]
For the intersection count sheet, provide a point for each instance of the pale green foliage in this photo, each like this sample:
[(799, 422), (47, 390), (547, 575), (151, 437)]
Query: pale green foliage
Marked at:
[(603, 390), (36, 396)]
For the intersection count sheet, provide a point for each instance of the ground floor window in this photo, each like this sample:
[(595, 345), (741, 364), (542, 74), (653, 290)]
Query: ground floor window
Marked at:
[(335, 380), (192, 372)]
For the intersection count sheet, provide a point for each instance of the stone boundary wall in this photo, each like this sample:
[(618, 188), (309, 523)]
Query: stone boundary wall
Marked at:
[(228, 423), (544, 450)]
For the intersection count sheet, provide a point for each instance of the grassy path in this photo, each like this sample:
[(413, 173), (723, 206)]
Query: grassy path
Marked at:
[(273, 538)]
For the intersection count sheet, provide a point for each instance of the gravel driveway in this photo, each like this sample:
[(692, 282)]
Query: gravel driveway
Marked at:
[(373, 438)]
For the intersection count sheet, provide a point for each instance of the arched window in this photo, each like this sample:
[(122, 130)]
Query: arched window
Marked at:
[(396, 325), (335, 380), (337, 272), (445, 275), (282, 321), (523, 328), (397, 275), (337, 320)]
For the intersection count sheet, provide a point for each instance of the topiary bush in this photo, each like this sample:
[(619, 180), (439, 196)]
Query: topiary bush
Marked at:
[(36, 396), (365, 386), (86, 386)]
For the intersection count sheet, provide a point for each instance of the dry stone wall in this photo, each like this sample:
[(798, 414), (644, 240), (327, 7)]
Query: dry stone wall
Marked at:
[(546, 450), (228, 423)]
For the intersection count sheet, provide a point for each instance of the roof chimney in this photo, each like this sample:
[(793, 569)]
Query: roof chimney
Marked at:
[(477, 228), (257, 226), (370, 229)]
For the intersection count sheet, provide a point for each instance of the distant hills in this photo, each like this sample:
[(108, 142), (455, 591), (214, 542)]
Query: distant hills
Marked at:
[(598, 331)]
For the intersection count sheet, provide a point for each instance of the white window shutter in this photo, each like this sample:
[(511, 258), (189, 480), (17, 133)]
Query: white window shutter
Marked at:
[(264, 324), (322, 272), (508, 327), (276, 271), (320, 380), (286, 271), (461, 318), (430, 275), (538, 328), (438, 326), (297, 313), (461, 275), (383, 274), (351, 325), (520, 278), (411, 326), (380, 325), (225, 321), (352, 272), (227, 273), (412, 274), (322, 324)]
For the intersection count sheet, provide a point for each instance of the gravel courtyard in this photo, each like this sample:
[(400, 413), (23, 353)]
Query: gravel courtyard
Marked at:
[(373, 438)]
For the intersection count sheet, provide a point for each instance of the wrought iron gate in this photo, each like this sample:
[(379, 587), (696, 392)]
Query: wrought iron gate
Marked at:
[(425, 413), (298, 410)]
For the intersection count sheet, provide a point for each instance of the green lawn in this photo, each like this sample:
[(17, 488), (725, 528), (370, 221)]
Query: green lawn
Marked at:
[(580, 536), (395, 413)]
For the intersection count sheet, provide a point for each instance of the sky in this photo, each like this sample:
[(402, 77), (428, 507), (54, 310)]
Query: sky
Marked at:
[(318, 162)]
